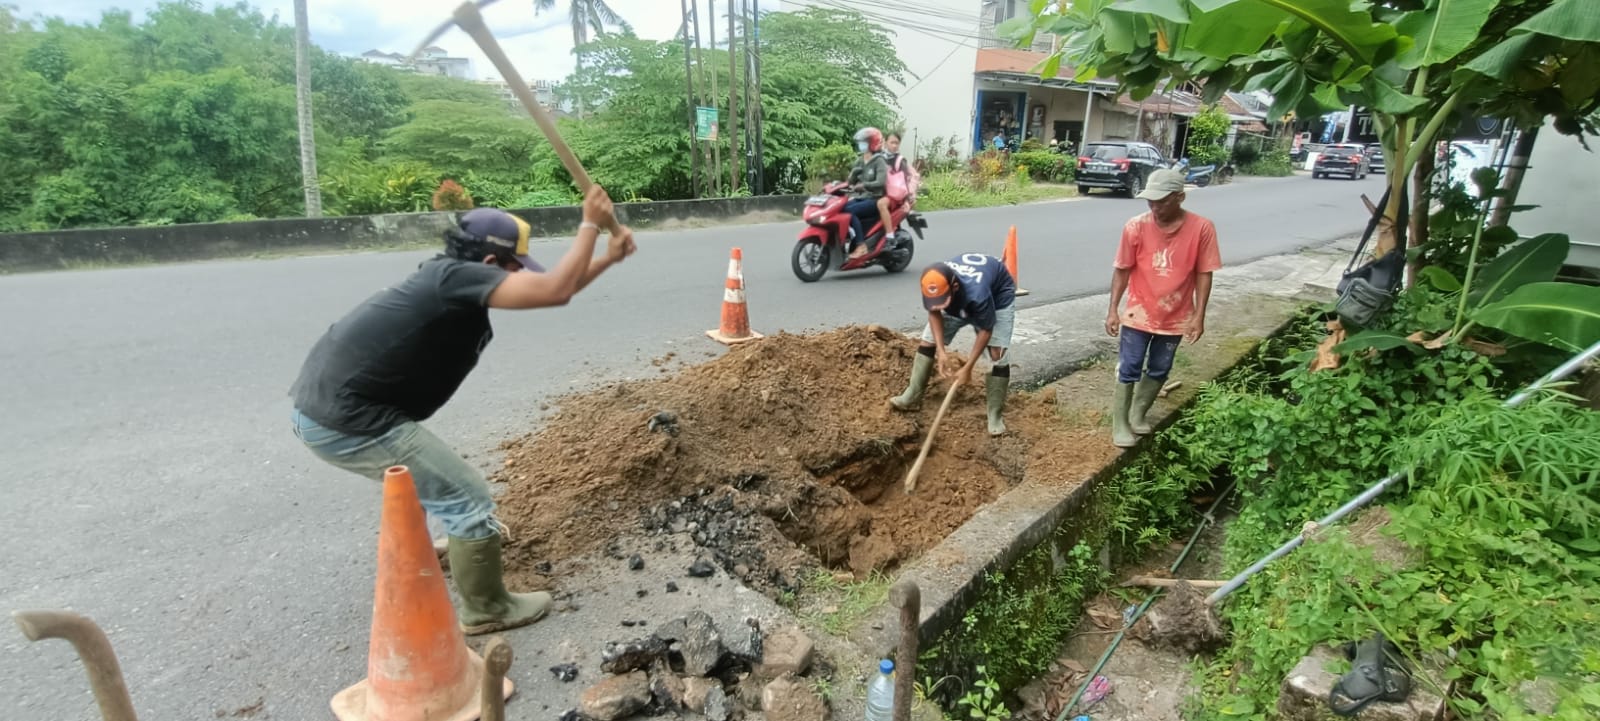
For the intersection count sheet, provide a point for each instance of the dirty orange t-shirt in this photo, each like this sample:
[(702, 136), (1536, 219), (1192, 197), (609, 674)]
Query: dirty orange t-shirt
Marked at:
[(1161, 286)]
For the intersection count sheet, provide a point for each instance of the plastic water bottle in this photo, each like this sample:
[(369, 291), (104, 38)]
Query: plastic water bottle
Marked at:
[(880, 693)]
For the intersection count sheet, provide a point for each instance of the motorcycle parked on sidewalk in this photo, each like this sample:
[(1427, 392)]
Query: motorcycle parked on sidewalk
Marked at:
[(1202, 175), (824, 244)]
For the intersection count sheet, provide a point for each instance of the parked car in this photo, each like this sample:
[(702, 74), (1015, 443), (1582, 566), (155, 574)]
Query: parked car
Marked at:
[(1347, 159), (1375, 158), (1118, 165)]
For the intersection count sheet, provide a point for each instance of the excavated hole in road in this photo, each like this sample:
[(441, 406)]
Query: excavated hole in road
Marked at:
[(780, 457)]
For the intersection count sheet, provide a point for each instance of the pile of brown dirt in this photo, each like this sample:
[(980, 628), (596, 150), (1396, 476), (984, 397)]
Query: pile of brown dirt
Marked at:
[(781, 444)]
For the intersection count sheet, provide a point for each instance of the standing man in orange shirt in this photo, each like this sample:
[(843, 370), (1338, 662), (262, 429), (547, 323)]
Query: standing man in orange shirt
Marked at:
[(1164, 264)]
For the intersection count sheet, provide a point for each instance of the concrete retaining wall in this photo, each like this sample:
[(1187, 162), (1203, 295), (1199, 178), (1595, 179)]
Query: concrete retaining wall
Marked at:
[(56, 249)]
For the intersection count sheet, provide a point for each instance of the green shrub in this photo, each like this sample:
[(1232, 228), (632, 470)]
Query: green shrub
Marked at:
[(1046, 166), (831, 162)]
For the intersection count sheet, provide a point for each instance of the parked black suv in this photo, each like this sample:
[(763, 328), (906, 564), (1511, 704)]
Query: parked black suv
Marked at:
[(1120, 166)]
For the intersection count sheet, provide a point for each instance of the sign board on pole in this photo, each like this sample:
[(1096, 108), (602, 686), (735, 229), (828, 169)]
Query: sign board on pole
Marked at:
[(705, 124)]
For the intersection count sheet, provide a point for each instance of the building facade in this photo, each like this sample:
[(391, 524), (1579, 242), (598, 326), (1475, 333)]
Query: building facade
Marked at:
[(966, 85)]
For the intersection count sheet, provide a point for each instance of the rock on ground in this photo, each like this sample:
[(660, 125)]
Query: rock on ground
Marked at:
[(695, 691), (616, 697), (790, 698), (625, 656), (787, 650), (701, 644)]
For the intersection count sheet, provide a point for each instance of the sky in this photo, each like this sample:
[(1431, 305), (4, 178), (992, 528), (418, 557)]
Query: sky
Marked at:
[(540, 47)]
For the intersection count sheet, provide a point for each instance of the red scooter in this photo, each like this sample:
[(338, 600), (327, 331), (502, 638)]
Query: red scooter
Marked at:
[(824, 242)]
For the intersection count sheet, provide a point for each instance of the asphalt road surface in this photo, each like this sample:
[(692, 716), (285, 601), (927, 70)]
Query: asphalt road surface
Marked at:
[(151, 481)]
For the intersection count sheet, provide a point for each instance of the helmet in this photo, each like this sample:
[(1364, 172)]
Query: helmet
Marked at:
[(872, 139)]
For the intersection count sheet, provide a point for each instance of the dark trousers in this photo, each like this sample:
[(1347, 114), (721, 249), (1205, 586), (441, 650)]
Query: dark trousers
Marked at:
[(861, 210), (1140, 352)]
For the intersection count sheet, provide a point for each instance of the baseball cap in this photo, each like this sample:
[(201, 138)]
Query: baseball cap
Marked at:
[(499, 228), (1162, 183), (936, 285)]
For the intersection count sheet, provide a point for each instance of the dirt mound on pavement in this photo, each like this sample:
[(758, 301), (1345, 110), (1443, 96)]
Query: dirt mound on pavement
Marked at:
[(782, 444)]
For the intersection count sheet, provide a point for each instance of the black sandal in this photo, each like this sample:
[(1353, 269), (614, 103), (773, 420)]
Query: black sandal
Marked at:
[(1377, 673)]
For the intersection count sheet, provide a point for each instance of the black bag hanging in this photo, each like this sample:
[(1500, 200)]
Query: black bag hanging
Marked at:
[(1366, 291)]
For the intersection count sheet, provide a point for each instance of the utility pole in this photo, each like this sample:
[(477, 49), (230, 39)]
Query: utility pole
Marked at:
[(302, 89), (713, 175), (761, 122), (716, 149), (749, 99), (688, 81), (735, 163)]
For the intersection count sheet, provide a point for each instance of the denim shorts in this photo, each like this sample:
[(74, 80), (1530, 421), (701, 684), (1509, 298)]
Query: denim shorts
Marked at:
[(451, 490), (1005, 319)]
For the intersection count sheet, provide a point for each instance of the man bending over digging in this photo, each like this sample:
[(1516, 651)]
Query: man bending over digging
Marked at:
[(390, 363), (969, 289)]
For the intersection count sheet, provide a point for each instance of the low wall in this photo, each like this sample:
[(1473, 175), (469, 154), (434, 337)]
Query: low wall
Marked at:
[(56, 249)]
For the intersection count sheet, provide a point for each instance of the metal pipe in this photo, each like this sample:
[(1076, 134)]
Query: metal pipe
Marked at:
[(94, 650), (908, 597), (1378, 488)]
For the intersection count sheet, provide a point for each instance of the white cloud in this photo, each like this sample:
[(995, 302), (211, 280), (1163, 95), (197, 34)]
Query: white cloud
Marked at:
[(539, 47)]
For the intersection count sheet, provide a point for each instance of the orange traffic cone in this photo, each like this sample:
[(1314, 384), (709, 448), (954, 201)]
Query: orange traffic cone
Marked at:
[(735, 319), (1009, 257), (419, 667)]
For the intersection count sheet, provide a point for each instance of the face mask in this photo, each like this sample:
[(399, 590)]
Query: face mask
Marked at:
[(862, 146)]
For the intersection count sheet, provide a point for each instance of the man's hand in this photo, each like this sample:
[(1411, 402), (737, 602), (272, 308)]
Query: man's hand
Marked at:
[(1113, 323), (597, 208), (964, 376), (621, 245), (1195, 328), (943, 362)]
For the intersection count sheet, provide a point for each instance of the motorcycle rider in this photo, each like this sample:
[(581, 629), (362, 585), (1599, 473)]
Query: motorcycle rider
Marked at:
[(867, 181), (896, 161), (970, 289)]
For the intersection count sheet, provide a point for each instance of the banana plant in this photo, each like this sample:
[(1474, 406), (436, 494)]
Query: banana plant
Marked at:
[(1417, 64)]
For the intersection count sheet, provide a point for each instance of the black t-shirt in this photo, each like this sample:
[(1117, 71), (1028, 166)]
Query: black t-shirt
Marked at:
[(403, 352)]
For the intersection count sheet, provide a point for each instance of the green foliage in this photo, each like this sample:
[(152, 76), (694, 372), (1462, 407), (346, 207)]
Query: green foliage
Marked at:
[(831, 162), (1499, 515), (365, 187), (1207, 131), (189, 115), (1011, 632), (1046, 166), (984, 702)]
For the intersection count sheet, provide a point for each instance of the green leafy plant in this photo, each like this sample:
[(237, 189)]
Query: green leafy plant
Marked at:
[(1046, 166), (984, 702)]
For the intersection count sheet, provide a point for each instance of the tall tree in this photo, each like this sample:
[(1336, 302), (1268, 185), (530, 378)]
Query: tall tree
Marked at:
[(586, 15), (302, 91)]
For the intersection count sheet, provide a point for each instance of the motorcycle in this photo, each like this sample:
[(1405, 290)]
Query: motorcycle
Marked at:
[(824, 243), (1202, 175)]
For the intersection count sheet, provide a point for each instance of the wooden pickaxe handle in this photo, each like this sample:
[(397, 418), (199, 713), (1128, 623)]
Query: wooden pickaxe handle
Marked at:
[(94, 650), (470, 19), (927, 443)]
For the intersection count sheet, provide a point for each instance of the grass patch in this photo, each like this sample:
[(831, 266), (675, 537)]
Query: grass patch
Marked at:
[(836, 606)]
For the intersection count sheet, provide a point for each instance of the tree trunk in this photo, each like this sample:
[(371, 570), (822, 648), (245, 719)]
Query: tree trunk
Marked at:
[(1514, 172), (1421, 199), (302, 91), (713, 174)]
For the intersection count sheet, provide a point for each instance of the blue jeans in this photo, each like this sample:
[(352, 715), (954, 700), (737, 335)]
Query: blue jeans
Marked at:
[(860, 210), (451, 490), (1149, 353)]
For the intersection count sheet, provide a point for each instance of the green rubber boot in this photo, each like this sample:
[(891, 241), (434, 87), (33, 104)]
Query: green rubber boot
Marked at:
[(486, 605), (1144, 396), (1121, 434), (921, 368), (997, 387)]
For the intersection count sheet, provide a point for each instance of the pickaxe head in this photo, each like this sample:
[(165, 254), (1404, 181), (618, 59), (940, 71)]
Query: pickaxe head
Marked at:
[(465, 11)]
